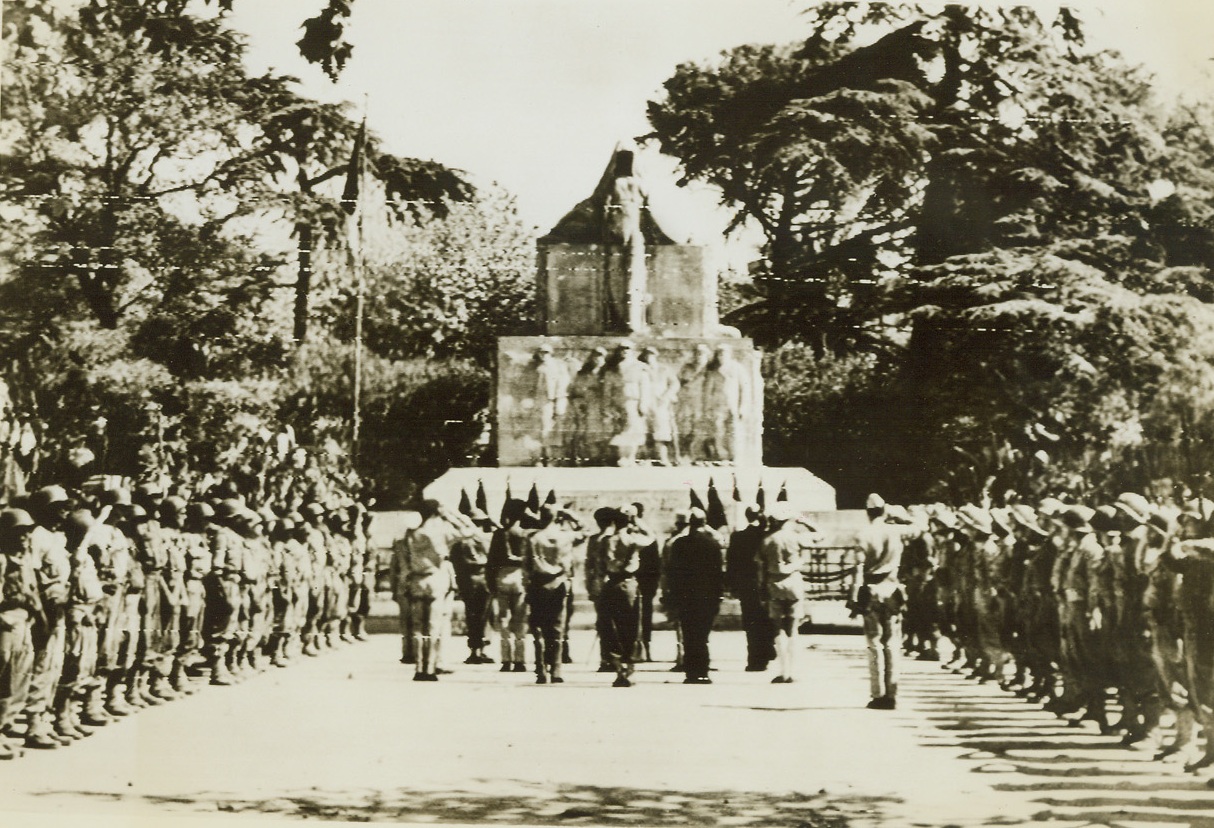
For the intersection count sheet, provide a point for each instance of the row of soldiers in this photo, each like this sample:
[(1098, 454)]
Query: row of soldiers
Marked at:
[(114, 600), (1073, 605), (519, 576)]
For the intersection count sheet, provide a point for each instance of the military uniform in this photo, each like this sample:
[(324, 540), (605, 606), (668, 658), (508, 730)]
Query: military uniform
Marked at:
[(780, 567), (881, 599), (20, 609), (469, 558), (619, 596), (695, 579), (504, 575), (743, 579), (549, 568)]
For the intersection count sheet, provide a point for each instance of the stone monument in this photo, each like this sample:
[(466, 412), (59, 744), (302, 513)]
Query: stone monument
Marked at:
[(635, 390)]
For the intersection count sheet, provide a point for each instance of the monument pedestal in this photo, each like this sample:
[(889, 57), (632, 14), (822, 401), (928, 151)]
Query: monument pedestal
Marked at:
[(662, 491), (637, 393)]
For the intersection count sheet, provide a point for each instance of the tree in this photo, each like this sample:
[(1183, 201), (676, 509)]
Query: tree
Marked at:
[(1007, 271), (117, 153), (448, 287)]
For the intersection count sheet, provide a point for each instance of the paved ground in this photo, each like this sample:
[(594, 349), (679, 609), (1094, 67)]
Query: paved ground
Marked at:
[(349, 737)]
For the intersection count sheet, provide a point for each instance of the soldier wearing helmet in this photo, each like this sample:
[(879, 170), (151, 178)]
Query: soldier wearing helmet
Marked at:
[(221, 622), (48, 548), (20, 609)]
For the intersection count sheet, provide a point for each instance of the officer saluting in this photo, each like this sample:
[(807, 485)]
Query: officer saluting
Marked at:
[(878, 596)]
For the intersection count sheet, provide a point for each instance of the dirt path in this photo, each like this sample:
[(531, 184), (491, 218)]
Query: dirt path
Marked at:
[(349, 737)]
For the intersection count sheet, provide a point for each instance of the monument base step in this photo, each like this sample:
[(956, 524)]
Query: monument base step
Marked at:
[(662, 490)]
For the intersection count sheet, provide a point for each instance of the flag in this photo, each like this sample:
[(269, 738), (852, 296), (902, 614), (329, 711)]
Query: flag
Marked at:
[(465, 505), (783, 495), (737, 493), (716, 509), (550, 500), (761, 496), (533, 499), (506, 503), (696, 503), (482, 500), (354, 172)]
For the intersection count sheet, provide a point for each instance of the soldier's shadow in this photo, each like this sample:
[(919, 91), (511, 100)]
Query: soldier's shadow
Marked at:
[(1075, 774), (517, 802)]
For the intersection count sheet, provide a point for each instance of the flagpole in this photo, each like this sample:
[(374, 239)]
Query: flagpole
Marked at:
[(359, 294)]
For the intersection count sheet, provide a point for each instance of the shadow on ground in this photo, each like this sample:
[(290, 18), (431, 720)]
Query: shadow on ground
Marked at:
[(1076, 775), (535, 805)]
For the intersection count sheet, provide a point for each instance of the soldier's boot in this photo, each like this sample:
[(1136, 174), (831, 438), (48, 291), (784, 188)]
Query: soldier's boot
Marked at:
[(555, 666), (520, 654), (1182, 743), (94, 713), (161, 687), (115, 700), (507, 653), (144, 683), (358, 627), (132, 694), (61, 720), (179, 680), (541, 667), (279, 655), (76, 712), (10, 749), (220, 675), (40, 735), (426, 668)]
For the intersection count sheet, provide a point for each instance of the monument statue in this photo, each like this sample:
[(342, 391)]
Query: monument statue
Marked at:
[(663, 395), (551, 396), (634, 367), (690, 406), (633, 391), (587, 417)]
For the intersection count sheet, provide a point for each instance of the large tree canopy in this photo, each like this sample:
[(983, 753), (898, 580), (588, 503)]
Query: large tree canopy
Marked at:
[(173, 229), (993, 233)]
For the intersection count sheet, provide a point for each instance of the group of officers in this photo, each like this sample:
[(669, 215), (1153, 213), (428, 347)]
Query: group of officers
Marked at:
[(518, 576), (1074, 606), (115, 599)]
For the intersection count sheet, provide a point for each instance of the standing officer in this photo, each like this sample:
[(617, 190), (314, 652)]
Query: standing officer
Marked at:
[(780, 571), (508, 551), (742, 577), (468, 557), (430, 581), (677, 531), (598, 551), (649, 576), (549, 579), (878, 595), (618, 600), (695, 579)]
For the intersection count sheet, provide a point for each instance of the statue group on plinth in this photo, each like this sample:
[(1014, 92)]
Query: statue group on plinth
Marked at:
[(627, 405), (635, 367)]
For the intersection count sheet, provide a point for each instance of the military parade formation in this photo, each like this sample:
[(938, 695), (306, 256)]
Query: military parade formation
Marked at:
[(518, 578), (114, 598), (117, 597), (1091, 611)]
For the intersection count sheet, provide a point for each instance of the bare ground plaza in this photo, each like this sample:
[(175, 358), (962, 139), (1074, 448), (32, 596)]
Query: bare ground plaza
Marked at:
[(347, 737)]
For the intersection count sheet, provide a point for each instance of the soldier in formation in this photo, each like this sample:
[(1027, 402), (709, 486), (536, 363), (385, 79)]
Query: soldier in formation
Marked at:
[(1083, 609), (113, 599)]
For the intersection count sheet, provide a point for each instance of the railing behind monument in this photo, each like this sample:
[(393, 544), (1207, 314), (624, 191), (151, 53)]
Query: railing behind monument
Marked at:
[(826, 571)]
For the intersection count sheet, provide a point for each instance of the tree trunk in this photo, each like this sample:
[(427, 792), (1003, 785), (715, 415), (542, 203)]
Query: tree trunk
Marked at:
[(303, 279)]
